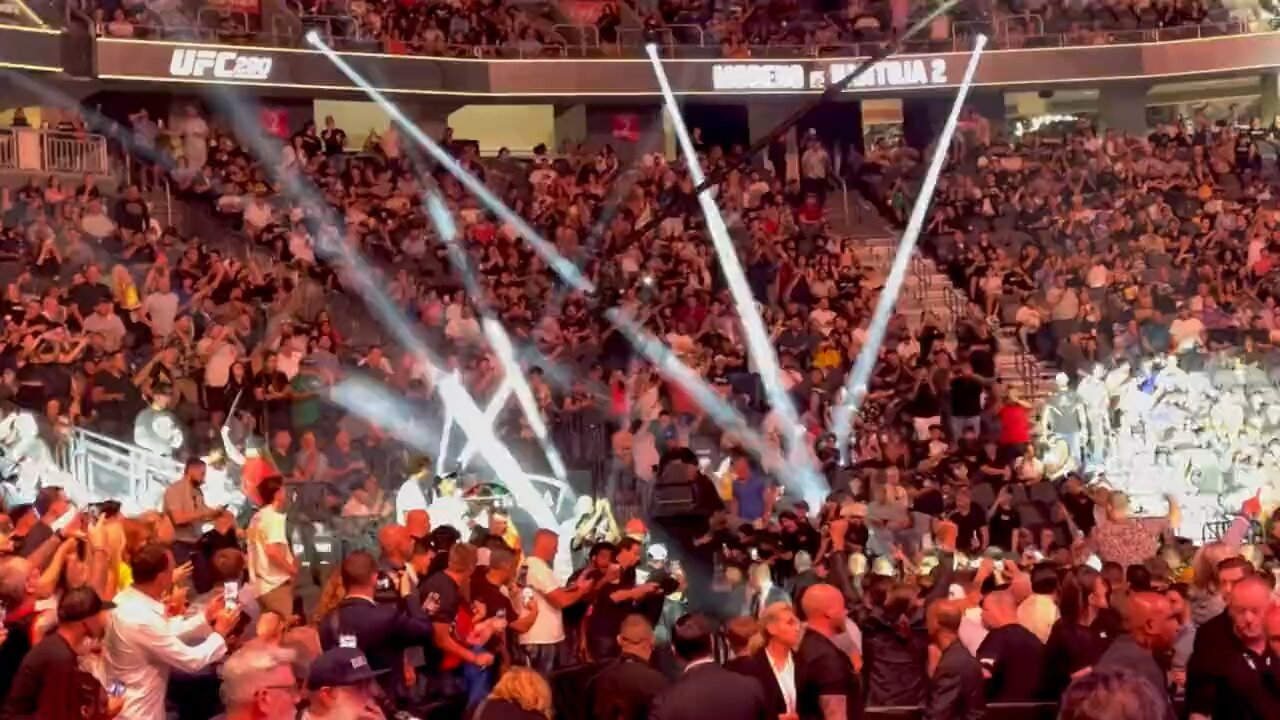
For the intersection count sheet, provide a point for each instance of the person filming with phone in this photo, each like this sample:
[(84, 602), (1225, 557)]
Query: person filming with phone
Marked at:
[(143, 642)]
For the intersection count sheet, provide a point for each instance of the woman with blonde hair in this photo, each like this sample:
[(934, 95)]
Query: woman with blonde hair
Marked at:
[(123, 289), (521, 694), (774, 664)]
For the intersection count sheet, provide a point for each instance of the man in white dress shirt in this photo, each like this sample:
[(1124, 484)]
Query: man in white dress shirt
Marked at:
[(143, 642)]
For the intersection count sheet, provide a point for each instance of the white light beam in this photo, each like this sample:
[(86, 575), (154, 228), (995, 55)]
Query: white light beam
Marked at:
[(758, 345), (501, 345), (557, 262), (856, 385)]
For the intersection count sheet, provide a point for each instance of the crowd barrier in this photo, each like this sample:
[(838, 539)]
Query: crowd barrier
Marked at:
[(52, 151)]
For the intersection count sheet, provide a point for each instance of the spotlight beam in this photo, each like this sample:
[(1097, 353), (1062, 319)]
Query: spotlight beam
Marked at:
[(855, 388), (557, 262), (758, 344), (501, 345), (676, 371), (831, 92)]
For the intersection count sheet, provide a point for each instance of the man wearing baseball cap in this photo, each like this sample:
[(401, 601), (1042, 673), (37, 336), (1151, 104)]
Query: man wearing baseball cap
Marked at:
[(50, 684), (341, 687)]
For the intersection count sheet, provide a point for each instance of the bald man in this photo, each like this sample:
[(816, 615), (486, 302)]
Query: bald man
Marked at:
[(1012, 656), (626, 687), (1273, 629), (956, 684), (1152, 625), (418, 523), (1233, 683), (827, 686)]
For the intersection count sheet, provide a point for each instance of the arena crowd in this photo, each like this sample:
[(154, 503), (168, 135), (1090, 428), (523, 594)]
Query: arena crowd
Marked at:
[(943, 570)]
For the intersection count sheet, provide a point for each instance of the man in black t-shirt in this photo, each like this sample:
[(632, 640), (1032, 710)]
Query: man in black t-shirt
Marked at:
[(1003, 522), (50, 684), (826, 684), (616, 600), (1012, 657), (966, 401), (971, 522), (441, 598)]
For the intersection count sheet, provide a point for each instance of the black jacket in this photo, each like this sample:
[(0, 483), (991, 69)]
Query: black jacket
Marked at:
[(382, 632), (624, 690), (956, 689), (708, 690), (757, 666), (894, 658)]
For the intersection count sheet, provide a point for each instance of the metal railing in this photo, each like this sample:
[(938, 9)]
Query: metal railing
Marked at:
[(71, 153), (109, 468), (8, 150)]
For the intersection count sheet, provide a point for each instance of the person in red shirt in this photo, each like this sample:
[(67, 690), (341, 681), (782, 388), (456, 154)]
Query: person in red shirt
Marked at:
[(1015, 424)]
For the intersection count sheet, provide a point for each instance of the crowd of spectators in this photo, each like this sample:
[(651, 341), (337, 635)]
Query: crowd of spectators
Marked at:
[(1106, 246), (466, 28), (944, 569)]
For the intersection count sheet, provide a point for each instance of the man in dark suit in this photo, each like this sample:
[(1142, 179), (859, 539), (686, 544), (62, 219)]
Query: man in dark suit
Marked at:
[(625, 689), (706, 689), (956, 688), (381, 631)]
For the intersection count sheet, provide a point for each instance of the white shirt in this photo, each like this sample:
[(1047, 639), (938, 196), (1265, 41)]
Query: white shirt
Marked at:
[(972, 631), (1186, 333), (142, 645), (548, 627), (162, 309), (786, 677), (267, 528)]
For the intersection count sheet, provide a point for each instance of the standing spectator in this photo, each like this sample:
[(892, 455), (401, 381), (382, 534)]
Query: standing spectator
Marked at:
[(16, 581), (626, 688), (829, 689), (442, 597), (543, 643), (1012, 657), (966, 402), (340, 686), (1113, 694), (970, 521), (1128, 540), (42, 540), (1084, 628), (1039, 611), (335, 139), (1151, 628), (160, 308), (186, 509), (258, 683), (815, 168), (774, 665), (382, 631), (615, 601), (521, 694), (753, 495), (143, 642), (50, 684), (705, 685), (272, 566), (955, 685), (1229, 676)]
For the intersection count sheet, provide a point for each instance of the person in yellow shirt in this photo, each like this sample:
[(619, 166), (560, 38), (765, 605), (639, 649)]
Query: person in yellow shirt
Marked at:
[(827, 356)]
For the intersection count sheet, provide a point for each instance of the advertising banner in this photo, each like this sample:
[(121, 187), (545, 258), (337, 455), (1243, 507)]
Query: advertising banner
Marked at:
[(298, 71), (626, 126)]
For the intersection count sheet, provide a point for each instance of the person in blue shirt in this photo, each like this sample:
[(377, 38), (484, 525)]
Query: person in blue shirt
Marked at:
[(752, 492)]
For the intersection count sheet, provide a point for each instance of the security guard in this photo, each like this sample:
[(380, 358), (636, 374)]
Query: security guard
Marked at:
[(382, 631)]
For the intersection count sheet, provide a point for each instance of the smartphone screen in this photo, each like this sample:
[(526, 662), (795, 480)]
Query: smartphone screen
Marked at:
[(230, 593)]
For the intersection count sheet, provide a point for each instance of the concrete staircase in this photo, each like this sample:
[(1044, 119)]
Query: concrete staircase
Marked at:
[(928, 289)]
